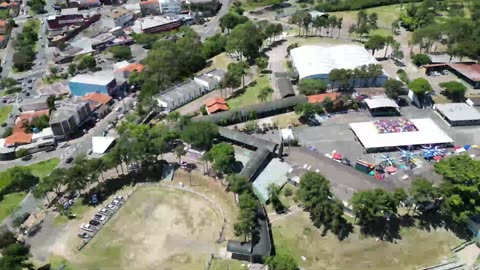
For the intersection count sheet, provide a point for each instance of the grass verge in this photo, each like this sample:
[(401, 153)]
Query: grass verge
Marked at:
[(249, 97), (4, 112), (40, 169), (224, 264), (10, 203)]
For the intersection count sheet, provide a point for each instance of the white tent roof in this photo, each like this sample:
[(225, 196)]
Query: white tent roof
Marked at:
[(428, 133), (318, 59), (101, 144), (380, 102)]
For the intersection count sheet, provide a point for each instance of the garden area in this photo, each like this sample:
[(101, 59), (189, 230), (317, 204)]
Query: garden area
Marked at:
[(15, 182), (250, 96), (4, 112)]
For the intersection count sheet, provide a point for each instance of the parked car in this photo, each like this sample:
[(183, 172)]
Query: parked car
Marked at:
[(104, 211), (111, 207), (100, 218), (84, 235), (65, 145), (119, 197), (87, 227), (4, 124), (94, 223), (120, 116), (116, 202)]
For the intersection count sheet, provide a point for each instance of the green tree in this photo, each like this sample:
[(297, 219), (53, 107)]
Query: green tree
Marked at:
[(246, 40), (306, 110), (421, 59), (180, 152), (328, 104), (51, 103), (389, 40), (420, 86), (15, 257), (214, 46), (246, 220), (235, 73), (312, 86), (21, 153), (393, 88), (121, 52), (222, 156), (374, 43), (6, 237), (262, 63), (7, 82), (454, 90), (460, 188), (238, 184), (86, 62), (230, 20), (422, 192), (200, 134), (265, 93), (281, 262), (136, 79), (371, 205), (72, 69)]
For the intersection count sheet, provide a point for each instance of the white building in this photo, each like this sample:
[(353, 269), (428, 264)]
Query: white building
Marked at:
[(316, 61), (211, 79), (121, 16), (170, 6)]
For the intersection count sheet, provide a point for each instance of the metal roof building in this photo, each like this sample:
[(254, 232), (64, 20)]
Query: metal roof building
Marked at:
[(246, 140), (382, 106), (284, 86), (316, 61), (253, 167), (458, 114), (260, 110)]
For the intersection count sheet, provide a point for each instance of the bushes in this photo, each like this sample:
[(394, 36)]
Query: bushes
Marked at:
[(21, 153), (121, 52), (421, 59), (25, 46), (203, 109), (403, 76), (454, 90), (312, 86), (343, 5)]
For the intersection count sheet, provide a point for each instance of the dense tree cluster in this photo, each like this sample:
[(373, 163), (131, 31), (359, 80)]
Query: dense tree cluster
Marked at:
[(231, 20), (340, 5), (303, 19), (421, 59), (222, 156), (214, 45), (25, 46), (454, 90), (365, 23), (281, 262), (346, 78), (17, 179), (38, 6), (121, 52), (460, 35), (420, 87), (312, 86), (14, 255), (200, 134), (84, 62), (394, 88), (317, 199)]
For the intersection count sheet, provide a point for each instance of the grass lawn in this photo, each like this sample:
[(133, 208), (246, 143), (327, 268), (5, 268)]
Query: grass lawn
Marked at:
[(78, 209), (4, 111), (224, 264), (220, 61), (157, 228), (296, 236), (250, 95), (386, 15), (287, 119), (57, 261), (44, 168), (10, 203)]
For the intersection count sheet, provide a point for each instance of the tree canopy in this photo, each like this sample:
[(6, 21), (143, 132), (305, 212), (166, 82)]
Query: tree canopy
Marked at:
[(393, 88), (200, 134), (454, 90), (375, 43), (370, 205), (246, 40), (420, 86), (121, 52), (312, 86), (461, 186), (281, 262), (223, 157)]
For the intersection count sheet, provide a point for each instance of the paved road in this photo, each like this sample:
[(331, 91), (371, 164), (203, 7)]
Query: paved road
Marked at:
[(211, 27)]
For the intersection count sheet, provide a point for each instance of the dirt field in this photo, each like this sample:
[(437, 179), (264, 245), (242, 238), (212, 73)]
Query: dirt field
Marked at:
[(158, 228), (418, 248)]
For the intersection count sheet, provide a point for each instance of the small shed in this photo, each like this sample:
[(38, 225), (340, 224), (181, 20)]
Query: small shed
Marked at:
[(382, 106), (284, 86)]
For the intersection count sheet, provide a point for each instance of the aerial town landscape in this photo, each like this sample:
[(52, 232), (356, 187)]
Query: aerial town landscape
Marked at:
[(240, 134)]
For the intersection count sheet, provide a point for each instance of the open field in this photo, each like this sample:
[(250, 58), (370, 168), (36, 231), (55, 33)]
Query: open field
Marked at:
[(157, 228), (220, 61), (44, 168), (4, 111), (296, 236), (386, 15), (250, 95), (9, 203)]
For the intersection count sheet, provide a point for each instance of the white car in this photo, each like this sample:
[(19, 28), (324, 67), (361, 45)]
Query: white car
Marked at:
[(104, 211), (100, 218), (116, 202), (120, 116), (119, 197), (87, 227), (112, 207)]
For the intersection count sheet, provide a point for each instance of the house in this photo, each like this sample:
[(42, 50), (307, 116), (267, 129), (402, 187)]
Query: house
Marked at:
[(125, 68), (69, 117), (33, 104), (157, 24), (170, 6), (98, 98), (216, 105), (211, 79), (321, 97)]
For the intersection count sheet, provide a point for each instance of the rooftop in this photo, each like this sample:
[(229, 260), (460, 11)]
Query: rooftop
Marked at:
[(149, 2), (317, 59), (66, 109), (98, 98), (18, 138), (133, 67), (425, 131), (458, 111), (118, 12), (274, 173), (68, 11), (213, 101), (179, 91), (285, 87), (217, 108), (471, 71), (92, 79), (380, 102), (321, 97)]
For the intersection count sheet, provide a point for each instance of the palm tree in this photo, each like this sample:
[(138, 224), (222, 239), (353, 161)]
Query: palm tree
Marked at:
[(388, 41), (268, 90), (339, 26), (262, 96), (179, 152), (374, 71)]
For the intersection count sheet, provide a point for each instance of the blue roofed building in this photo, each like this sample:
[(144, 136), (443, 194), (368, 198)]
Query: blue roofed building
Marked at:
[(83, 84)]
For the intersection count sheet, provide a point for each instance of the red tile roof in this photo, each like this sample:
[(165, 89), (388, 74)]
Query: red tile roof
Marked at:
[(133, 67), (217, 107), (18, 138), (320, 97), (3, 23), (31, 115), (213, 101), (4, 4), (98, 98)]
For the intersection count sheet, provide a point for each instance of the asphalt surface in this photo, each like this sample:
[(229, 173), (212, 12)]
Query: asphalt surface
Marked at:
[(211, 27)]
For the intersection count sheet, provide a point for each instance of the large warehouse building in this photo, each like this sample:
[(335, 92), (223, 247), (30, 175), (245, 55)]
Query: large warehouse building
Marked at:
[(316, 62), (385, 135)]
